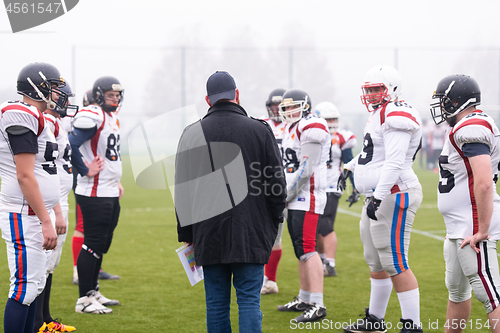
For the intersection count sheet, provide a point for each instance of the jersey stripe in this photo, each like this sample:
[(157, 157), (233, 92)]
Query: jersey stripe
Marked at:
[(312, 200), (487, 281), (402, 114), (93, 144), (17, 237), (475, 121), (39, 117), (398, 232), (342, 140), (313, 125), (470, 176)]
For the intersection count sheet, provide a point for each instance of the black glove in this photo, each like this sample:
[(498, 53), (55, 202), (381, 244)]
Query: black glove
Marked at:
[(353, 198), (342, 179), (372, 208)]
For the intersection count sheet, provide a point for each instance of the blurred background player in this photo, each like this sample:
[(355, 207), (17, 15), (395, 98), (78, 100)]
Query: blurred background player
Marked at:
[(342, 142), (28, 179), (96, 134), (306, 145), (78, 235), (65, 174), (383, 173), (274, 120), (468, 200)]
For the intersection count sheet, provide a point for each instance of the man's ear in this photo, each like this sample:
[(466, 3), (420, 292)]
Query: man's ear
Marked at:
[(237, 97), (208, 100)]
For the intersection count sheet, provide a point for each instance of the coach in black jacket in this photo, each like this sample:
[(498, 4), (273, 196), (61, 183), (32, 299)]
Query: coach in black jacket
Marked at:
[(229, 195)]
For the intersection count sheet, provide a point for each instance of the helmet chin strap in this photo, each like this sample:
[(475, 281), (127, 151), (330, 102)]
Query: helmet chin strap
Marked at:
[(50, 103)]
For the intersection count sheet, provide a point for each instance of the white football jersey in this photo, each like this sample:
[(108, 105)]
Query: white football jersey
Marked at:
[(385, 164), (63, 162), (277, 128), (11, 197), (341, 140), (311, 128), (456, 200), (106, 143)]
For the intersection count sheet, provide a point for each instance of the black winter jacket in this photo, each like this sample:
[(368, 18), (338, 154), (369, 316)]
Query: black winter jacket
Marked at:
[(247, 231)]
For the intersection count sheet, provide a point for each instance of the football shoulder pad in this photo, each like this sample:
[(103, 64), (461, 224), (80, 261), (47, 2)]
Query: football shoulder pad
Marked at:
[(347, 139), (475, 127), (401, 116), (313, 129), (89, 117), (21, 114), (50, 121)]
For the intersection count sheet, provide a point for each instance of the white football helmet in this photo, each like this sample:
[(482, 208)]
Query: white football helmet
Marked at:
[(386, 80), (330, 113), (295, 105)]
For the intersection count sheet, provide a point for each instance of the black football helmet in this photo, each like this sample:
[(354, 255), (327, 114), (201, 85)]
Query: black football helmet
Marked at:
[(69, 110), (299, 100), (274, 99), (103, 84), (454, 94), (87, 98), (38, 81)]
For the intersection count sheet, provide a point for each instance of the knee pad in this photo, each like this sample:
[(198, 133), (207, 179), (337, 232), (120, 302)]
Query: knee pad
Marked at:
[(306, 256), (92, 252), (459, 296)]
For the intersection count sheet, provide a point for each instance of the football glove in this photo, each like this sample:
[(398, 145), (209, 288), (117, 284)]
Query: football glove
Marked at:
[(372, 208), (341, 183), (353, 198)]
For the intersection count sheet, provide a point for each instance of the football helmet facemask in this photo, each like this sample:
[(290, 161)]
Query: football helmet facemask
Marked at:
[(39, 81), (295, 105), (103, 84), (382, 84), (273, 102), (69, 110), (330, 113), (454, 94)]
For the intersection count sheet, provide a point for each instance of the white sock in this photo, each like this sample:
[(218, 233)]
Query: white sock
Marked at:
[(379, 296), (317, 298), (410, 305), (305, 295), (331, 261)]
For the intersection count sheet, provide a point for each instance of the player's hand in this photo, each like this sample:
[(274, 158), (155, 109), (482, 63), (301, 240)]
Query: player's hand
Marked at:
[(372, 208), (95, 166), (353, 198), (474, 240), (341, 183), (121, 190), (49, 236), (60, 224)]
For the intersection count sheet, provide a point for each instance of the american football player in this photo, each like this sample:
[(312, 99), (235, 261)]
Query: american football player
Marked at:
[(383, 173), (28, 173), (306, 145), (468, 168), (96, 135)]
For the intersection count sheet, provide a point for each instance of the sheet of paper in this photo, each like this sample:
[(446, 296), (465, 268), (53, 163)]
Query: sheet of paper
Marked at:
[(194, 272)]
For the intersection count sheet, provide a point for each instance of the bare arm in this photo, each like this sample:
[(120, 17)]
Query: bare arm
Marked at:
[(25, 166), (60, 220), (483, 193)]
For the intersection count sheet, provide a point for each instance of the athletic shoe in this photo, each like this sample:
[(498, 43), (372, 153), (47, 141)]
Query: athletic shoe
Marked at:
[(315, 312), (269, 287), (45, 329), (410, 327), (369, 323), (296, 305), (329, 270), (75, 275), (89, 304), (58, 327), (104, 300), (106, 276)]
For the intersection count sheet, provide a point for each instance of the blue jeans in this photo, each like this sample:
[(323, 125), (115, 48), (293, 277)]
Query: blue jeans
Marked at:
[(247, 280)]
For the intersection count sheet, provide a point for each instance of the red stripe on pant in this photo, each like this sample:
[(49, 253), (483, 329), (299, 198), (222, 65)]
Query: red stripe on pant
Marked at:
[(309, 230)]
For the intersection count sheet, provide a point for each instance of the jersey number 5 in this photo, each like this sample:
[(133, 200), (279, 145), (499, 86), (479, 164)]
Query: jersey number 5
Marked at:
[(447, 181), (367, 154), (50, 156)]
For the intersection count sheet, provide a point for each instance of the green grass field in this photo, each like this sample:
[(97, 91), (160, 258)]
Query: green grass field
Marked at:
[(156, 295)]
